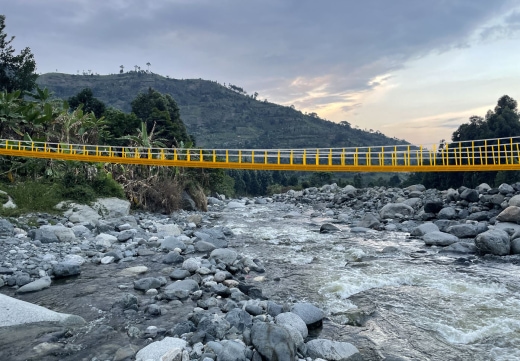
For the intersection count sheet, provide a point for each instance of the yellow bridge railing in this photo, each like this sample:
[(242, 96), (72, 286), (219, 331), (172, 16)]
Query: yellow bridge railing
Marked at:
[(476, 155)]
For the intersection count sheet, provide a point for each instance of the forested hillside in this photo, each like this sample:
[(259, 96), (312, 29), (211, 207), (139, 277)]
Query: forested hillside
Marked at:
[(219, 116)]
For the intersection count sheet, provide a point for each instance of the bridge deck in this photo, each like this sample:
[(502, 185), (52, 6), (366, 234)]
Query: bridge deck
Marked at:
[(478, 155)]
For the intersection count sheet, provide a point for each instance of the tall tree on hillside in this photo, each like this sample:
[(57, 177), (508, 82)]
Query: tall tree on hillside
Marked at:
[(122, 69), (16, 71), (148, 65), (90, 104), (152, 108)]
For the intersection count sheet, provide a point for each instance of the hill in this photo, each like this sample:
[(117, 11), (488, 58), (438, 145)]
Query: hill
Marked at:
[(219, 116)]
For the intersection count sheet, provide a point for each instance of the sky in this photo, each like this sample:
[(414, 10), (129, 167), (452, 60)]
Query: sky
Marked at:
[(410, 69)]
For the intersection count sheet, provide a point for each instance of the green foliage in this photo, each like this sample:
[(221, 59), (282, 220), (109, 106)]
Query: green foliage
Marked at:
[(119, 125), (32, 196), (89, 103), (160, 111), (17, 72), (221, 183), (217, 116)]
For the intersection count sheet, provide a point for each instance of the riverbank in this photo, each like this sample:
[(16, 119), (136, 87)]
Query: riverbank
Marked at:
[(318, 247)]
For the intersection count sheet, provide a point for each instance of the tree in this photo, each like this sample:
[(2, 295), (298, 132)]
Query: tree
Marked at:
[(152, 108), (148, 65), (17, 72), (122, 69), (90, 104)]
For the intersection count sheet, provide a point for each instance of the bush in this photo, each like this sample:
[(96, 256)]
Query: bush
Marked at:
[(32, 196)]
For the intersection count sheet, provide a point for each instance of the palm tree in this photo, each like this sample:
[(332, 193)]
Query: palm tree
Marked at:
[(122, 69), (148, 65)]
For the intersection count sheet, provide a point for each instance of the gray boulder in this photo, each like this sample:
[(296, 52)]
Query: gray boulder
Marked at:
[(328, 228), (224, 255), (38, 285), (505, 188), (470, 195), (310, 314), (433, 206), (463, 230), (293, 320), (171, 242), (333, 350), (181, 289), (144, 284), (460, 247), (6, 228), (112, 207), (50, 234), (515, 246), (203, 246), (64, 269), (483, 188), (416, 188), (156, 350), (510, 214), (423, 229), (439, 239), (447, 213), (368, 221), (392, 209), (273, 342), (239, 319), (494, 241), (231, 351), (515, 201)]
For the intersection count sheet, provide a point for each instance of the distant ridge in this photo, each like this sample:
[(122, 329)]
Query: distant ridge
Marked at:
[(217, 116)]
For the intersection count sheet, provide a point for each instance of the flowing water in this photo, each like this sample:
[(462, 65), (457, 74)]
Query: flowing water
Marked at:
[(400, 298)]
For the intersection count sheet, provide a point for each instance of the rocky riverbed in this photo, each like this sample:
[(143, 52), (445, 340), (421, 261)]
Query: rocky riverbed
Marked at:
[(331, 273)]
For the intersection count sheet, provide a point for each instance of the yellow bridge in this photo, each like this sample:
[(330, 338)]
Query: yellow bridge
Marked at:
[(476, 155)]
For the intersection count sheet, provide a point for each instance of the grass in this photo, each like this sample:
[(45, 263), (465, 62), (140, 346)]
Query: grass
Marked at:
[(31, 196)]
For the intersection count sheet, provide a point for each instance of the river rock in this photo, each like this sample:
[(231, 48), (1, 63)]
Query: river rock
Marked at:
[(181, 289), (273, 342), (470, 195), (463, 230), (112, 207), (144, 284), (6, 228), (439, 239), (328, 228), (168, 229), (64, 269), (224, 255), (415, 188), (510, 214), (157, 349), (333, 350), (203, 246), (483, 188), (235, 205), (494, 241), (515, 246), (293, 320), (310, 314), (433, 206), (179, 274), (447, 213), (392, 209), (81, 213), (50, 234), (231, 351), (38, 285), (239, 319), (460, 247), (423, 229), (505, 189), (171, 242), (368, 221)]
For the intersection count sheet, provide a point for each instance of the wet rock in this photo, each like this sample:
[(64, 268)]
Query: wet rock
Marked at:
[(447, 213), (191, 264), (6, 228), (463, 230), (368, 221), (202, 246), (231, 351), (439, 239), (333, 350), (173, 257), (328, 228), (125, 235), (235, 205), (179, 274), (38, 285), (515, 246), (310, 314), (170, 243), (273, 342), (127, 301), (423, 229), (182, 328), (505, 189), (494, 241), (460, 247)]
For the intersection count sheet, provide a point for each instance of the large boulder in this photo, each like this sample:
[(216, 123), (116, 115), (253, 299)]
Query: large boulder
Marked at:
[(156, 350), (515, 201), (470, 195), (494, 241), (391, 210), (333, 350), (368, 221), (415, 188), (483, 188), (293, 320), (505, 188), (510, 214), (6, 228), (423, 229), (433, 206), (181, 289), (463, 230), (310, 314), (50, 234), (112, 207), (224, 255), (447, 213), (81, 213), (439, 239), (273, 342)]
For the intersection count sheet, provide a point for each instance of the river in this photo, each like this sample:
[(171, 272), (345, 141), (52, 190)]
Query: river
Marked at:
[(384, 290)]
